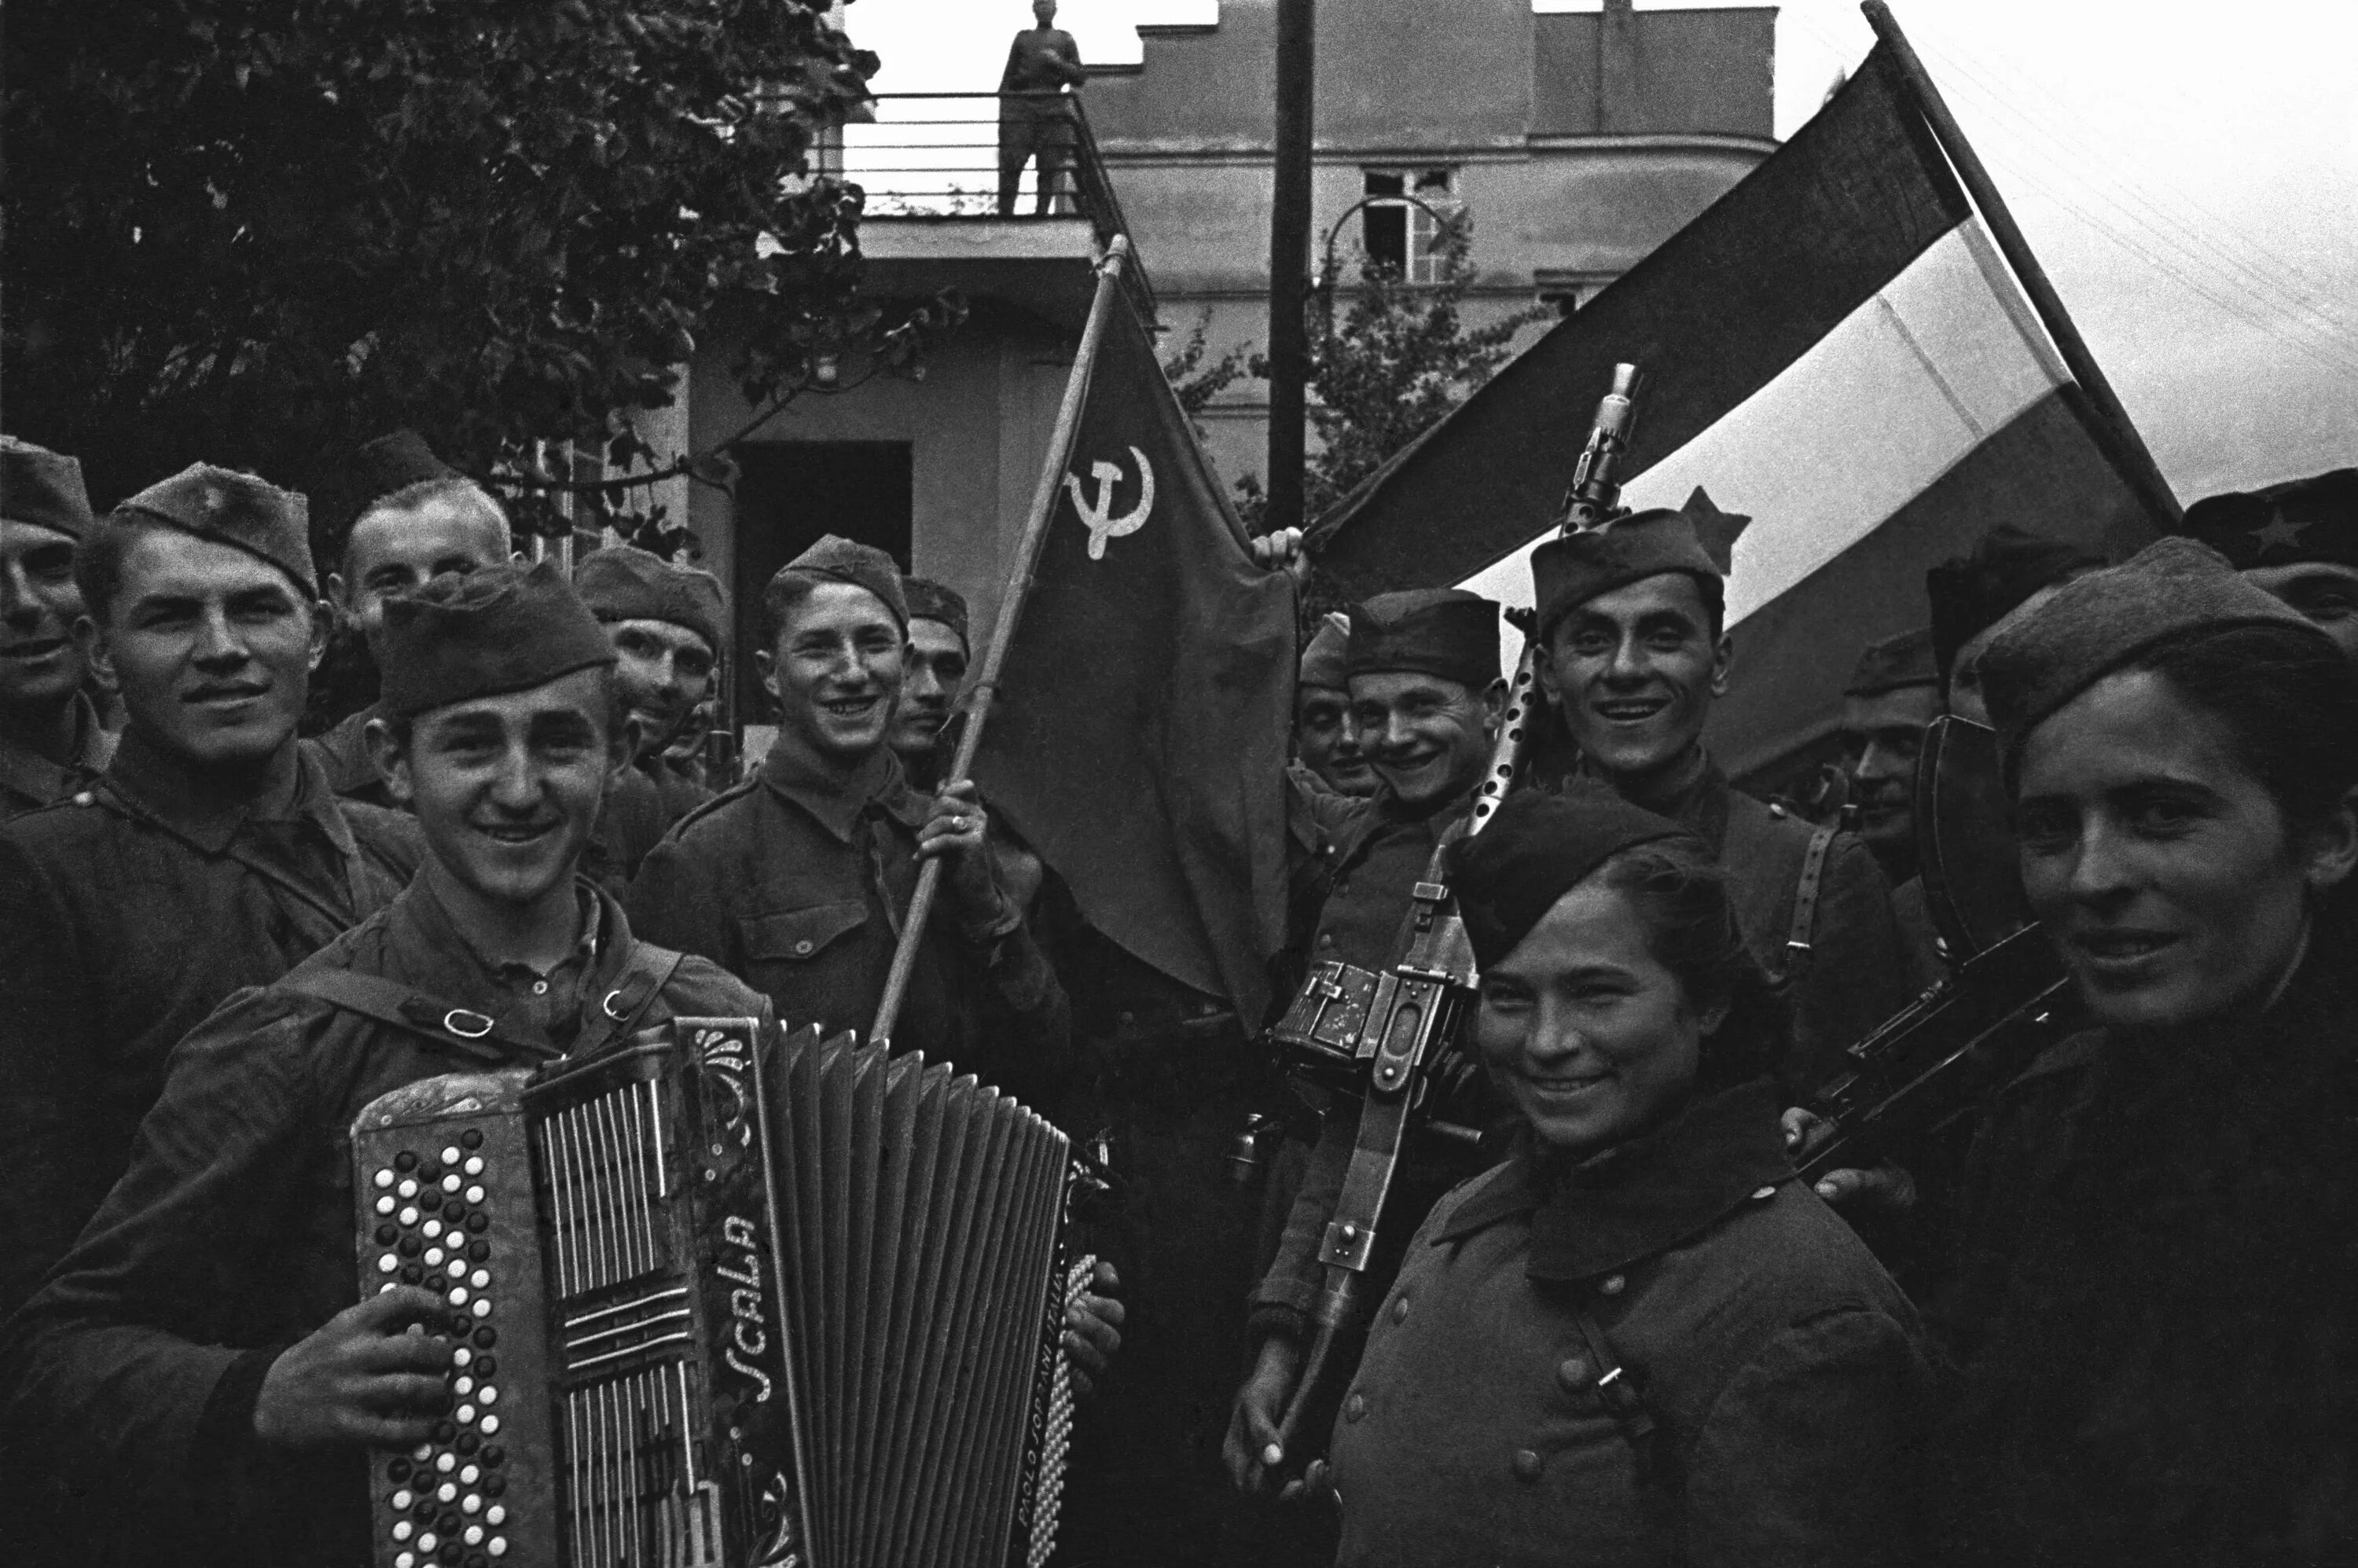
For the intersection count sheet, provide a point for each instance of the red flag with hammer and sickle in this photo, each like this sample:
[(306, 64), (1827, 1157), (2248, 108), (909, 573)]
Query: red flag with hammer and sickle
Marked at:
[(1138, 740)]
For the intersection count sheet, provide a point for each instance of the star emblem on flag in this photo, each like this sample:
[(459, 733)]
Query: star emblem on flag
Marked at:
[(2280, 530)]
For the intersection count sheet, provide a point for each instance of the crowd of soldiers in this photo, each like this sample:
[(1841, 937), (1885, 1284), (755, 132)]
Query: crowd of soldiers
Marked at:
[(1614, 1327)]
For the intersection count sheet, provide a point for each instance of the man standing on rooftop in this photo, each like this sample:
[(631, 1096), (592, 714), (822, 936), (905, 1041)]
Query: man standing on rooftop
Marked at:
[(1033, 117)]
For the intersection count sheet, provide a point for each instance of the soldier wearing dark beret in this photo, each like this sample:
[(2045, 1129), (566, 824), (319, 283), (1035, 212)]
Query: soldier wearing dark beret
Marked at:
[(50, 738), (797, 879), (396, 516), (1634, 651), (940, 650), (202, 1360), (2299, 540), (2009, 570), (1426, 693), (668, 622), (211, 855)]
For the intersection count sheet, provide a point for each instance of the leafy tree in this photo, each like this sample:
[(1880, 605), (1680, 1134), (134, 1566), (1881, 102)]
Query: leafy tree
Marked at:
[(1195, 382), (262, 231), (1400, 358)]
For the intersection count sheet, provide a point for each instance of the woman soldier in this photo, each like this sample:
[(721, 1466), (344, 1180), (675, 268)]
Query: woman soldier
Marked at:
[(2162, 1365), (1641, 1340)]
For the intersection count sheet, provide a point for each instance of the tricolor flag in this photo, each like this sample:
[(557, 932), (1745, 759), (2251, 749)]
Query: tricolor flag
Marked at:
[(1835, 349), (1138, 738)]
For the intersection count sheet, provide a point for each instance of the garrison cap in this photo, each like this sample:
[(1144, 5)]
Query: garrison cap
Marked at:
[(232, 508), (1323, 659), (931, 601), (43, 488), (838, 559), (1697, 539), (2097, 623), (506, 628), (1444, 631), (1970, 593), (623, 582), (1893, 663), (2313, 519), (1536, 850)]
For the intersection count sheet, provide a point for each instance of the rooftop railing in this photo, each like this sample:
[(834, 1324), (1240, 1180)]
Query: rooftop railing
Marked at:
[(953, 156)]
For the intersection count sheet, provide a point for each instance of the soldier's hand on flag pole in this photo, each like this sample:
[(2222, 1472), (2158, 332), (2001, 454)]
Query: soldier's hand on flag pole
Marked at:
[(1283, 552), (958, 830)]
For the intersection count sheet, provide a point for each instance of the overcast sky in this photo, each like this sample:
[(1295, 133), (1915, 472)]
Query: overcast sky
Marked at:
[(2186, 172)]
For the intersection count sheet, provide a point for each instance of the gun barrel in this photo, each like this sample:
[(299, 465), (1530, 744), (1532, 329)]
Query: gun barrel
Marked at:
[(1595, 490)]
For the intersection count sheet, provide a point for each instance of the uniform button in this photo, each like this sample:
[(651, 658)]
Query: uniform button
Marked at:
[(1400, 1310), (1527, 1465), (85, 798), (802, 948), (1355, 1407), (1763, 1193), (1327, 940), (1575, 1374), (540, 988), (1613, 1284)]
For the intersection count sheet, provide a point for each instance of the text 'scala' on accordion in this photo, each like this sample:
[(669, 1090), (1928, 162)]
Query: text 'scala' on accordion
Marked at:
[(719, 1299)]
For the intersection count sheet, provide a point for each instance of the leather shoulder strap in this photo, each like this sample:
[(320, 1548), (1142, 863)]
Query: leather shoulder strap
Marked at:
[(644, 975), (1798, 940), (397, 1006)]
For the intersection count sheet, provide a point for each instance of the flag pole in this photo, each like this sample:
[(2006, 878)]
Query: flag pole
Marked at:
[(2130, 448), (1021, 572)]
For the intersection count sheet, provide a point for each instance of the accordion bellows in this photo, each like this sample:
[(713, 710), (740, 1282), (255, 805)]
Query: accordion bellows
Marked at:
[(715, 1304)]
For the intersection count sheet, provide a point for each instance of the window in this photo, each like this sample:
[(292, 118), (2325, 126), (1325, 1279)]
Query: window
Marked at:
[(1400, 235)]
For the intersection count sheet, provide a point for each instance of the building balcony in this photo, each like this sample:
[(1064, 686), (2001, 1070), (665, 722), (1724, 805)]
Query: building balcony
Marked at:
[(938, 214)]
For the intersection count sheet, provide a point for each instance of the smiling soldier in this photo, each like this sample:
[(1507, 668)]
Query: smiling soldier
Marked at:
[(209, 856), (50, 741), (2300, 541), (797, 880), (934, 672), (1634, 651)]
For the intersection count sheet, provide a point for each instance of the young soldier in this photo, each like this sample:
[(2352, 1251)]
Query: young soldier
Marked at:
[(209, 856), (50, 740), (797, 880), (1426, 694), (1893, 695), (2299, 540), (1326, 742), (1633, 653), (403, 516), (934, 670)]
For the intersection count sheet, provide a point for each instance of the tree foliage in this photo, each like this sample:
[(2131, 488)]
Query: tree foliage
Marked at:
[(262, 231), (1400, 359)]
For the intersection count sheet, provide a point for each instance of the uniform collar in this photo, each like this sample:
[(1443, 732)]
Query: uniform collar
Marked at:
[(1641, 1198), (343, 755), (1694, 797), (35, 777), (442, 961), (166, 791), (836, 804), (1383, 813)]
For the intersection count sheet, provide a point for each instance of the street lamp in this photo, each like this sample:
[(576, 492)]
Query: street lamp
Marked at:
[(1446, 215)]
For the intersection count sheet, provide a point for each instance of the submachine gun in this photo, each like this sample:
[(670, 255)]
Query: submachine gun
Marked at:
[(1391, 1038), (2006, 1000)]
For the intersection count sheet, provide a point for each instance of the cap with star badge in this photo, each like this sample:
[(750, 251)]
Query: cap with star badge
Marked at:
[(236, 509), (2313, 519)]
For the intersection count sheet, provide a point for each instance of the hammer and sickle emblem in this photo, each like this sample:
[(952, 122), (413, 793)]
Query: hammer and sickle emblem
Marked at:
[(1096, 514)]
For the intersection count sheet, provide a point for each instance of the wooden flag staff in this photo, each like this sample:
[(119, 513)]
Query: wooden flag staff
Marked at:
[(1020, 571), (2144, 472)]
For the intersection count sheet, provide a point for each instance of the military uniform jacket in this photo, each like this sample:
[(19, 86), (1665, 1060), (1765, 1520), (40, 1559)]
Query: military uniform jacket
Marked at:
[(127, 914), (798, 886), (2158, 1342), (231, 1237), (342, 755), (29, 781), (1780, 1385)]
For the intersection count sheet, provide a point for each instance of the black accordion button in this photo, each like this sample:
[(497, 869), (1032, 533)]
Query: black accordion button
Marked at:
[(411, 1246), (423, 1509), (468, 1442), (444, 1431), (479, 1221), (477, 1560), (405, 1160), (494, 1457), (430, 1172), (455, 1211), (486, 1367), (436, 1283), (386, 1234), (412, 1272), (398, 1470), (479, 1250), (485, 1337), (472, 1137), (449, 1555), (449, 1521)]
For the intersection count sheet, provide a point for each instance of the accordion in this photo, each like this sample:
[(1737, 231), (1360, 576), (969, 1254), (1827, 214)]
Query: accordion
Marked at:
[(712, 1304)]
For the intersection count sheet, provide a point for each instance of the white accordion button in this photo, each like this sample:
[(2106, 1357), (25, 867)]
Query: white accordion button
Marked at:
[(446, 1493), (451, 1155), (481, 1277), (385, 1205), (474, 1195), (450, 1182), (474, 1166), (405, 1560), (401, 1530), (408, 1217), (464, 1415), (491, 1395), (408, 1187), (470, 1476), (462, 1385), (496, 1514), (428, 1541), (433, 1228), (458, 1295), (499, 1546), (384, 1178), (481, 1306), (403, 1498), (473, 1503), (422, 1453), (387, 1263), (433, 1257), (446, 1462), (388, 1285), (474, 1536), (462, 1356), (491, 1425)]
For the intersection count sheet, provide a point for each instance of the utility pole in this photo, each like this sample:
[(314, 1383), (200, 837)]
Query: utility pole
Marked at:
[(1288, 253)]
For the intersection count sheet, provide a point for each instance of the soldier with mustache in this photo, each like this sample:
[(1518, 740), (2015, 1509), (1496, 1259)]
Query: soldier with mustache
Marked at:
[(50, 738)]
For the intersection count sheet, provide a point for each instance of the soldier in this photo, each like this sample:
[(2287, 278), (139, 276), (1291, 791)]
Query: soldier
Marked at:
[(2009, 570), (1326, 742), (1634, 653), (934, 666), (210, 854), (50, 738), (797, 879), (1426, 695), (2299, 540), (1042, 62), (401, 516), (1893, 695)]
